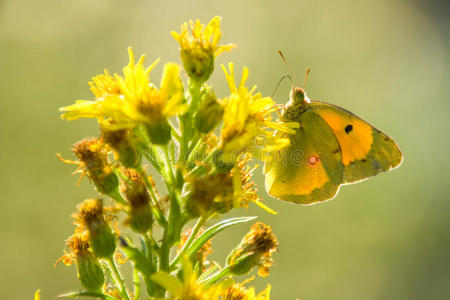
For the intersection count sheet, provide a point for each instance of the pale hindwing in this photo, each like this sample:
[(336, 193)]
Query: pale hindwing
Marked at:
[(365, 150), (309, 170)]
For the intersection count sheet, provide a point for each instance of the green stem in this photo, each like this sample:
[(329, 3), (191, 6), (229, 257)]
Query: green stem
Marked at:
[(117, 278), (186, 125), (156, 208), (189, 241), (164, 251), (169, 166), (137, 285)]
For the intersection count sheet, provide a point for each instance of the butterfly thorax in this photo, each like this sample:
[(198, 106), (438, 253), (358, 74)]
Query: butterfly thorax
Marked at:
[(297, 104)]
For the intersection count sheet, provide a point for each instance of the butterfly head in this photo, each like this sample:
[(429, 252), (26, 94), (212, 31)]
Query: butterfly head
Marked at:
[(298, 95)]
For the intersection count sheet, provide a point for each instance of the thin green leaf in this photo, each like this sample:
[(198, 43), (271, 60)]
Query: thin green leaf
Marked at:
[(85, 294), (213, 230)]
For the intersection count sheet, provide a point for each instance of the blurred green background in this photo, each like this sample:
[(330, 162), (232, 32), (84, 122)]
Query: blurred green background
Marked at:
[(387, 61)]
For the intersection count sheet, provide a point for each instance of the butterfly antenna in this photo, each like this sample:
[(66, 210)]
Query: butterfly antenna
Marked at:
[(289, 68), (279, 82), (306, 77)]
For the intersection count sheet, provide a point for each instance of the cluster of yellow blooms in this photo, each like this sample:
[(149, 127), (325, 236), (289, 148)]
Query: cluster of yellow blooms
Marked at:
[(205, 169)]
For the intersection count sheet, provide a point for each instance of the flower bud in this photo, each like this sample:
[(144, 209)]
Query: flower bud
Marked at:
[(89, 270), (209, 113), (92, 153), (199, 45), (140, 217), (255, 249), (120, 141), (198, 63), (159, 131), (91, 216)]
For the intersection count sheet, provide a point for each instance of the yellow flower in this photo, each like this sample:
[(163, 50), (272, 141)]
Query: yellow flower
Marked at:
[(199, 46), (190, 288), (238, 291), (247, 122), (128, 100)]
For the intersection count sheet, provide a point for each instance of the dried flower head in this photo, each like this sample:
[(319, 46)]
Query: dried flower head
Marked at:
[(255, 250), (93, 161), (91, 217), (89, 270)]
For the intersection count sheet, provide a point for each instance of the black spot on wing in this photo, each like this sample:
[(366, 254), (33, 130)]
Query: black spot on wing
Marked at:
[(348, 128)]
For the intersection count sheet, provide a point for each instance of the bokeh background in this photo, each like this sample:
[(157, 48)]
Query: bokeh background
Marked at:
[(387, 61)]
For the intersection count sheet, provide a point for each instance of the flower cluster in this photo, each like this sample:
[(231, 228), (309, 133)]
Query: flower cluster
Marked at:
[(200, 147)]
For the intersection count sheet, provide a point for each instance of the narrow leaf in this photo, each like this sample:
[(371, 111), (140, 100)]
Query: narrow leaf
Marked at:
[(213, 230), (86, 294)]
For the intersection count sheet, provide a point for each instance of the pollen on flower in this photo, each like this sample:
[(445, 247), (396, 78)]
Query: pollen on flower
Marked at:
[(197, 35), (238, 291)]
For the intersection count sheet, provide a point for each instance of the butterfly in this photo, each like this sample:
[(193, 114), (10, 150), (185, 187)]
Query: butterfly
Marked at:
[(332, 147)]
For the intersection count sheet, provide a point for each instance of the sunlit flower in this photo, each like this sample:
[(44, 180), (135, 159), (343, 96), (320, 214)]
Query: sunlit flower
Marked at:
[(238, 291), (125, 101), (248, 124), (199, 45), (190, 288)]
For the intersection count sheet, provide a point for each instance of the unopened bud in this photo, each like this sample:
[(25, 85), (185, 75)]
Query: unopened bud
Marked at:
[(198, 63), (140, 217), (159, 131), (209, 113)]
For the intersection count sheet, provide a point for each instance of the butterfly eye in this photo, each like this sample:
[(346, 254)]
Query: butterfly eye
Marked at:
[(313, 160)]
